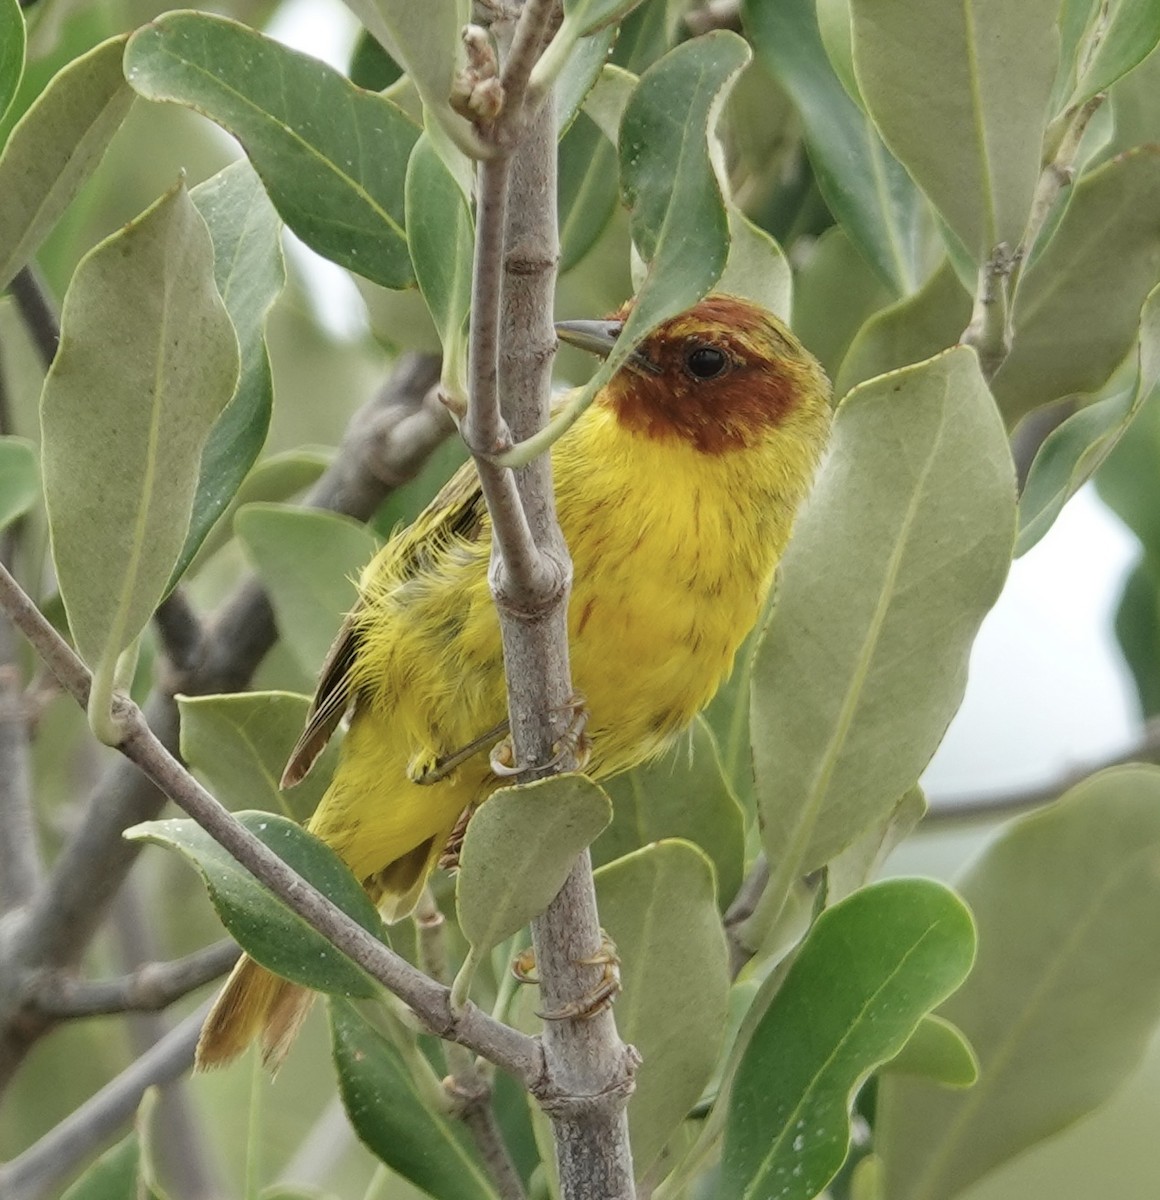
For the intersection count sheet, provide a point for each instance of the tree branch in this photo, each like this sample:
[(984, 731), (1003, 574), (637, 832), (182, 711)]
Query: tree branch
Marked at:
[(515, 1052), (21, 868), (149, 988), (180, 631), (38, 313), (386, 443), (589, 1070), (967, 810), (37, 1171), (468, 1088)]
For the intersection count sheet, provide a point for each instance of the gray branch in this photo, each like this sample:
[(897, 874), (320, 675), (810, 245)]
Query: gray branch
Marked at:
[(515, 1052), (37, 1171), (386, 443), (589, 1070), (21, 869), (969, 810), (149, 988), (38, 313)]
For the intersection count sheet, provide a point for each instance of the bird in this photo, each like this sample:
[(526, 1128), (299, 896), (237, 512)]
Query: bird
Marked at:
[(676, 491)]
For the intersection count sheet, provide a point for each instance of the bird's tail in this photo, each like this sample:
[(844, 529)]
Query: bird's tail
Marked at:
[(255, 1003)]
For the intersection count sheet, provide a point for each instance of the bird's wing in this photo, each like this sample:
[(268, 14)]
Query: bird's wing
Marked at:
[(457, 513)]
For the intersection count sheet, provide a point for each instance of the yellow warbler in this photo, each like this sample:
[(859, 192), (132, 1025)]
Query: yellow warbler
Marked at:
[(676, 492)]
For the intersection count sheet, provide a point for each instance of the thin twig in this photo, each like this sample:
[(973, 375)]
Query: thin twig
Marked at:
[(969, 810), (149, 988), (38, 313), (590, 1071), (180, 630), (991, 329), (515, 1052), (21, 868), (467, 1086), (386, 443), (37, 1171), (535, 22), (181, 1150), (743, 907)]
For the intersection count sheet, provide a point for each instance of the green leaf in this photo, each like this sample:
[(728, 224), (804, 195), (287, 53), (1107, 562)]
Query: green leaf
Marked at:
[(116, 1175), (609, 98), (908, 331), (590, 15), (659, 907), (19, 478), (441, 236), (587, 192), (678, 218), (1130, 33), (857, 865), (394, 1120), (518, 851), (1077, 309), (1138, 632), (11, 51), (332, 156), (584, 67), (871, 968), (969, 123), (425, 40), (870, 194), (834, 26), (147, 361), (937, 1051), (310, 562), (1064, 998), (835, 293), (371, 67), (55, 147), (275, 479), (1129, 482), (247, 254), (900, 553), (240, 743), (269, 932), (684, 794), (756, 267), (677, 214), (1072, 453)]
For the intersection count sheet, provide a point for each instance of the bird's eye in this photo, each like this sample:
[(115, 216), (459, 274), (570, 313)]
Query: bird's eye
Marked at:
[(706, 362)]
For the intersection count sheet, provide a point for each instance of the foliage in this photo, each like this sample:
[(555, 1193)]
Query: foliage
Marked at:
[(954, 201)]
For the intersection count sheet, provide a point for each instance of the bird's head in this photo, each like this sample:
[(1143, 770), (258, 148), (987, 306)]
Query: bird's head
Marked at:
[(725, 375)]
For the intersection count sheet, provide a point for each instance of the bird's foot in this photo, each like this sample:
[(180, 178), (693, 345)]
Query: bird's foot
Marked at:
[(574, 744), (592, 1002), (449, 859), (428, 769)]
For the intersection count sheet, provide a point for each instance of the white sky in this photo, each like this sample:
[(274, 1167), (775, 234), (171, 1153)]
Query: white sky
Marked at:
[(1048, 689)]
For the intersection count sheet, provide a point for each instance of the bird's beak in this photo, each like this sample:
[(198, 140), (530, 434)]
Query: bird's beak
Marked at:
[(598, 337)]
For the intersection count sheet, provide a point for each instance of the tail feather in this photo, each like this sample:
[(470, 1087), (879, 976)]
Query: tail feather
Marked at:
[(254, 1003)]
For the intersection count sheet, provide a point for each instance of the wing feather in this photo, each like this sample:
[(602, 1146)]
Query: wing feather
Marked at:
[(457, 513)]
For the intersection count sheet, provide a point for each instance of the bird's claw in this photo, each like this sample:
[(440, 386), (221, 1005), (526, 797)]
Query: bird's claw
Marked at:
[(592, 1002), (573, 744), (449, 859)]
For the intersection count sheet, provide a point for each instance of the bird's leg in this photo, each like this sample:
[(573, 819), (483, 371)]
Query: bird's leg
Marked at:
[(432, 770), (449, 859), (574, 742), (596, 1001)]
